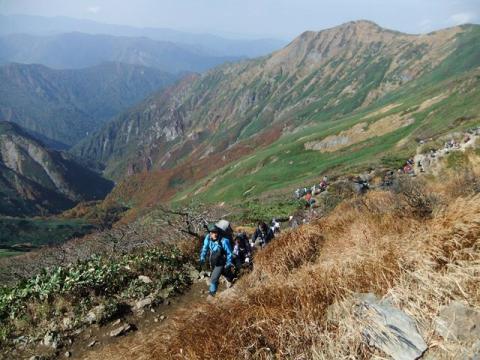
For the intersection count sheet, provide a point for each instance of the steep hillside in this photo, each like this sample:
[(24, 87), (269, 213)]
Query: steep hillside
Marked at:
[(77, 50), (244, 125), (34, 180), (206, 43), (67, 105)]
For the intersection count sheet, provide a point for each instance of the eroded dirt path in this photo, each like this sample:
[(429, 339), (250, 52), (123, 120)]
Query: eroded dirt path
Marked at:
[(123, 347)]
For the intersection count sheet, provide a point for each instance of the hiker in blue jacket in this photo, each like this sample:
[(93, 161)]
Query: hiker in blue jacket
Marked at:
[(220, 256)]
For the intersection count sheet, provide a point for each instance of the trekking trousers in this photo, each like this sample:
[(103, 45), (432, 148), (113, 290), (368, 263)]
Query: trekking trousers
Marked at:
[(216, 273)]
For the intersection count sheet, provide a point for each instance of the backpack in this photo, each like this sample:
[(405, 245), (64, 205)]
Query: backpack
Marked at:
[(227, 230), (218, 257)]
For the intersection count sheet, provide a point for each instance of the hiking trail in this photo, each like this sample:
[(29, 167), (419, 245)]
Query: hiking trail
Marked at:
[(146, 326)]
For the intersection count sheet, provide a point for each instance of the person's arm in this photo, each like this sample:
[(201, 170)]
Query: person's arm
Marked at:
[(269, 236), (255, 235), (203, 253), (248, 248), (228, 251)]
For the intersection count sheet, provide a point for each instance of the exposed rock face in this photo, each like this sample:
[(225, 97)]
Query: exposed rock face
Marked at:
[(390, 329), (35, 180)]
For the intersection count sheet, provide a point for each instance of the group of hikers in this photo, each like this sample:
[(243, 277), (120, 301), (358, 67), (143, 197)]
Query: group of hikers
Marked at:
[(227, 260), (309, 193)]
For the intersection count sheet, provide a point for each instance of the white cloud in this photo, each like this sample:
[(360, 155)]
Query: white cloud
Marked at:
[(93, 9), (462, 18)]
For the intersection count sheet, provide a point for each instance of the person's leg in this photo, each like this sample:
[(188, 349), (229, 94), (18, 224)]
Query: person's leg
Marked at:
[(238, 263), (228, 273), (216, 272)]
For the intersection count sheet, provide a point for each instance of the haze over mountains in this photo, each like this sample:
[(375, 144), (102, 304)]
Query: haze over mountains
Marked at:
[(205, 44), (79, 50), (67, 105)]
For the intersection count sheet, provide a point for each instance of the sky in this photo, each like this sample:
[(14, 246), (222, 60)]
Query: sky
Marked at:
[(257, 18)]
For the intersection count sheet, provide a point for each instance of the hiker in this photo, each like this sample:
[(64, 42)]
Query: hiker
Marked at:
[(309, 199), (407, 169), (388, 179), (220, 256), (242, 251), (275, 226), (292, 222), (323, 184), (361, 186), (263, 234), (298, 194)]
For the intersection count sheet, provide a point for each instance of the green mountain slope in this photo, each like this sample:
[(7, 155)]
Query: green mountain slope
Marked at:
[(67, 105), (264, 124), (35, 180)]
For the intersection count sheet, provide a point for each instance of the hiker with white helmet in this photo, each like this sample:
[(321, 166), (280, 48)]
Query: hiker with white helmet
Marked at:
[(220, 256)]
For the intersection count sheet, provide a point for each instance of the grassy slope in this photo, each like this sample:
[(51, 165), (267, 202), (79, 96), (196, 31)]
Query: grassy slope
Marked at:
[(300, 300), (285, 164)]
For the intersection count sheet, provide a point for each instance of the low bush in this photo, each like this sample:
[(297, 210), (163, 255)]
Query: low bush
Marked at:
[(79, 287)]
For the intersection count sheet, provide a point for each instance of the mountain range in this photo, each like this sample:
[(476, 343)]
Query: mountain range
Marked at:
[(344, 96), (206, 44), (67, 105), (77, 50), (37, 181)]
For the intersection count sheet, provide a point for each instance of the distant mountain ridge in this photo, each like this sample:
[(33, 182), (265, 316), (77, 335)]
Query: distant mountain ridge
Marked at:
[(77, 50), (35, 180), (206, 44), (67, 105), (334, 71), (222, 117)]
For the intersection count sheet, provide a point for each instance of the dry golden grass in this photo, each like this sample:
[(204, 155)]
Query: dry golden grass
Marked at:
[(299, 301)]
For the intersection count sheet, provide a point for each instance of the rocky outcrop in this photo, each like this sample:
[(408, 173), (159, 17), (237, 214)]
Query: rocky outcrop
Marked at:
[(390, 329)]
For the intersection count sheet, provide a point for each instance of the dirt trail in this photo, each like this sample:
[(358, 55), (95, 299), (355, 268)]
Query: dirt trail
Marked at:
[(107, 347)]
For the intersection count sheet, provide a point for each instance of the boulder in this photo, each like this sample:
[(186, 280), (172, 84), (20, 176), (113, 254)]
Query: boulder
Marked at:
[(92, 343), (144, 302), (95, 315), (121, 330), (50, 340), (458, 321), (116, 322), (389, 329), (145, 279), (67, 323)]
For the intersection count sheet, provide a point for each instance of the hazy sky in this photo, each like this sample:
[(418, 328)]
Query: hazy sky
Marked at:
[(274, 18)]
